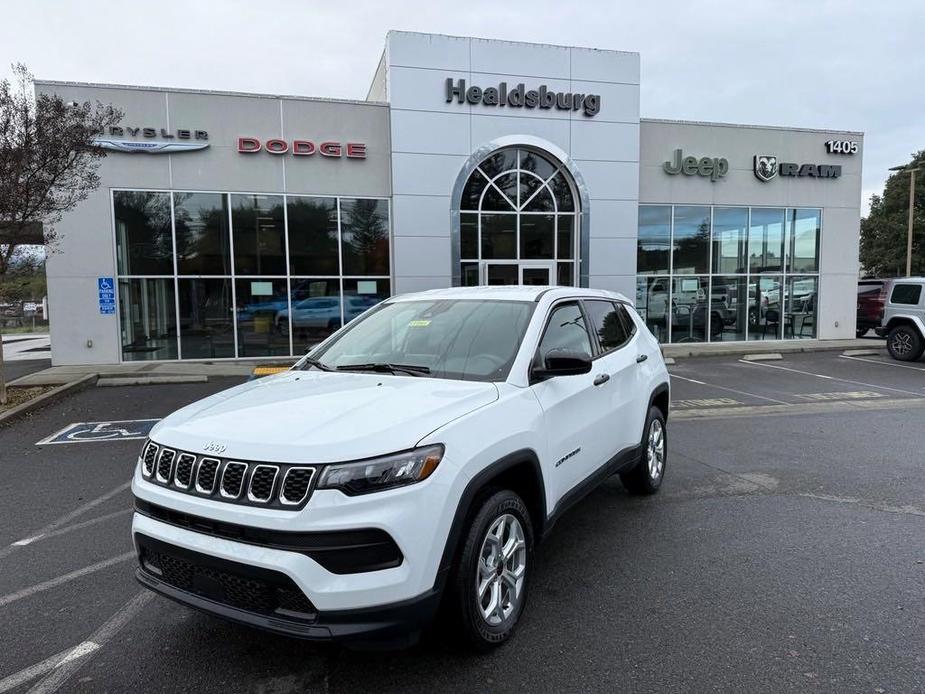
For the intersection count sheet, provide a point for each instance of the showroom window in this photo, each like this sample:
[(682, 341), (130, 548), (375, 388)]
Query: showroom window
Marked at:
[(219, 275), (518, 221), (728, 273)]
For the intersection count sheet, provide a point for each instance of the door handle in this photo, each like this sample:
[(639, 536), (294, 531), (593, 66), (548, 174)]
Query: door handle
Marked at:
[(641, 358), (601, 379)]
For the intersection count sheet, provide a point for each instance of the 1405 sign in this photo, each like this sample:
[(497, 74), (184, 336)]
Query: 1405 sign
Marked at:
[(841, 147)]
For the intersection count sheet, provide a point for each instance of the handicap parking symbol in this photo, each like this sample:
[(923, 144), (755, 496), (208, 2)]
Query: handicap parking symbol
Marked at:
[(106, 289), (89, 432)]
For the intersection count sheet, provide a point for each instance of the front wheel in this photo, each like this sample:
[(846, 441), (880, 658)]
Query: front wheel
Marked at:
[(904, 343), (490, 581), (646, 477)]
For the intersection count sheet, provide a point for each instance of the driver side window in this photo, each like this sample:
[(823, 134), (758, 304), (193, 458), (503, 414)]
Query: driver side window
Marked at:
[(566, 330)]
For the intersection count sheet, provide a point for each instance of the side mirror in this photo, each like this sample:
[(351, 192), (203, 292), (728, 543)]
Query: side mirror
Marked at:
[(560, 362)]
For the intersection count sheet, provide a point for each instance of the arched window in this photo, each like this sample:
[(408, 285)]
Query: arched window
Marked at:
[(519, 221)]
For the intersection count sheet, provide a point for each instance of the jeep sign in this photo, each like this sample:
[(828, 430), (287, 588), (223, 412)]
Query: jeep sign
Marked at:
[(714, 167)]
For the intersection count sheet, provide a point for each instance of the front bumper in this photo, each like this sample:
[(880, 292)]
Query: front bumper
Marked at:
[(269, 600)]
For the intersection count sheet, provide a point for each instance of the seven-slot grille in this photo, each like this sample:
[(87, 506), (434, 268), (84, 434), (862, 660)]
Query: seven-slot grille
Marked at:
[(242, 482)]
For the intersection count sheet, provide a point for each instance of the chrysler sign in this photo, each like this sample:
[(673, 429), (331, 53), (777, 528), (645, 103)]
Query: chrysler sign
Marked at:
[(125, 139), (521, 97)]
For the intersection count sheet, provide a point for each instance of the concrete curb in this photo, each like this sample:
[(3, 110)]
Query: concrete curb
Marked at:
[(48, 398), (763, 356), (779, 346), (148, 380), (864, 352)]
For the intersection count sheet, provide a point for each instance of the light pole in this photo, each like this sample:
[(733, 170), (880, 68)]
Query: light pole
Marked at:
[(912, 169)]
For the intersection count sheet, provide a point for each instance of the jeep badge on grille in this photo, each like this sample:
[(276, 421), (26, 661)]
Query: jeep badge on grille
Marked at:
[(214, 447)]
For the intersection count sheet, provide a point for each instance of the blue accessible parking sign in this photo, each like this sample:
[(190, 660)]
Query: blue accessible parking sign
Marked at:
[(107, 295)]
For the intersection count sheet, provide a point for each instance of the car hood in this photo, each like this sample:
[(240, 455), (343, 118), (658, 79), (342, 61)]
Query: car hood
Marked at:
[(318, 417)]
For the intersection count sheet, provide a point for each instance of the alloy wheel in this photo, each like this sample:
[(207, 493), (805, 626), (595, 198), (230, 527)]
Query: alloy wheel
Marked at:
[(499, 582), (901, 343), (655, 449)]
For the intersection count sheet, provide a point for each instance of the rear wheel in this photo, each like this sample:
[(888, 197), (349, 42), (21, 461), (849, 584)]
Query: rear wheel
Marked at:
[(489, 583), (904, 343), (646, 477)]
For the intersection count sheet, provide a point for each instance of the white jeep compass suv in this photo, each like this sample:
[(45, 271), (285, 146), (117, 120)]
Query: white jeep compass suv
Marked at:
[(414, 457)]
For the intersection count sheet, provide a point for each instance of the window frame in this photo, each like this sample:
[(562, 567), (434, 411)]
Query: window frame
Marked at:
[(900, 284), (534, 363), (620, 310)]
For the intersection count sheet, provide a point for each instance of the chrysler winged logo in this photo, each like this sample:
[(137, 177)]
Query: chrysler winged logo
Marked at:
[(765, 166), (214, 447), (149, 147)]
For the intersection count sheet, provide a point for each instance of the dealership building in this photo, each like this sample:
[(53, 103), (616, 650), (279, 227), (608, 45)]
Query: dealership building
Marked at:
[(233, 225)]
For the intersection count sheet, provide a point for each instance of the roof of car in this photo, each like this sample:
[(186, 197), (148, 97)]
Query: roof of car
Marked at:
[(508, 293)]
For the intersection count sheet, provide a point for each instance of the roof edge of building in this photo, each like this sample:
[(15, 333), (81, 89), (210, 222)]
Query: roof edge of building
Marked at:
[(208, 92), (719, 124), (519, 43)]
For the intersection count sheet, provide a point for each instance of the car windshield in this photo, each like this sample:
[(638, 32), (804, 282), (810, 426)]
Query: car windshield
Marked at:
[(458, 339)]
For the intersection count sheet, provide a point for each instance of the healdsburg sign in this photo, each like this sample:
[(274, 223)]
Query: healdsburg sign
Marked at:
[(521, 97)]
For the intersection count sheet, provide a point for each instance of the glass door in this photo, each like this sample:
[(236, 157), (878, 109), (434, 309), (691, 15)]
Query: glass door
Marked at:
[(534, 273), (537, 274)]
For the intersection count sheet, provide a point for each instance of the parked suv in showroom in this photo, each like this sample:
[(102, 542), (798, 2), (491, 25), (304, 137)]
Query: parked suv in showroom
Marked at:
[(904, 319), (413, 458)]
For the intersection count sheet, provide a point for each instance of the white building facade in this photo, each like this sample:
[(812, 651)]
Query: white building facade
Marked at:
[(248, 226)]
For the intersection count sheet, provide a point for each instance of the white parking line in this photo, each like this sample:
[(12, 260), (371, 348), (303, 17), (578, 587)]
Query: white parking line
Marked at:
[(57, 660), (55, 679), (731, 390), (67, 517), (61, 580), (831, 378), (883, 363), (69, 528)]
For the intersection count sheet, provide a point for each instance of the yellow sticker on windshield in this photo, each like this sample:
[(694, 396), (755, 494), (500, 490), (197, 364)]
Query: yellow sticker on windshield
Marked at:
[(419, 323)]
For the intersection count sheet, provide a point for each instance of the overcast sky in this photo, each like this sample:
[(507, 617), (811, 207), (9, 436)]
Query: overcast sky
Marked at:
[(845, 64)]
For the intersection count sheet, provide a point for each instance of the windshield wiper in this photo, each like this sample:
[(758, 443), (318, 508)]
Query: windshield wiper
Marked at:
[(411, 369), (311, 361)]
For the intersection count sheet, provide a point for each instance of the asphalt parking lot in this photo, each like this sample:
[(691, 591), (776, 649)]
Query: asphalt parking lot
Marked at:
[(785, 552)]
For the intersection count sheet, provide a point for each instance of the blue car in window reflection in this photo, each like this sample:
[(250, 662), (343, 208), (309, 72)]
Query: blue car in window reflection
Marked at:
[(322, 313)]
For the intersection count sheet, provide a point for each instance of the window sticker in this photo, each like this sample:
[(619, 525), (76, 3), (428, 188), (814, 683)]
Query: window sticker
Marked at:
[(419, 324), (366, 287), (261, 289)]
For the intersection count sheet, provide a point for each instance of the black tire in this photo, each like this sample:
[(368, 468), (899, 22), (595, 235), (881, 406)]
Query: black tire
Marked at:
[(473, 628), (640, 480), (905, 343)]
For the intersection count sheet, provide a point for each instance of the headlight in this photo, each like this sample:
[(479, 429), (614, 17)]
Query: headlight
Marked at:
[(386, 472)]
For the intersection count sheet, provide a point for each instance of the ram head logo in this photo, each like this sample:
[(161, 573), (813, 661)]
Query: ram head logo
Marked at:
[(765, 166)]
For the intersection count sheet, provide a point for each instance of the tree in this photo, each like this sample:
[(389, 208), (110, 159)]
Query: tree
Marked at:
[(48, 165), (884, 230)]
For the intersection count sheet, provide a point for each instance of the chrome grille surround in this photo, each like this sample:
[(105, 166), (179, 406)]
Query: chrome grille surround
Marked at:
[(164, 470), (183, 470), (291, 483), (207, 469), (259, 478), (149, 458), (232, 485)]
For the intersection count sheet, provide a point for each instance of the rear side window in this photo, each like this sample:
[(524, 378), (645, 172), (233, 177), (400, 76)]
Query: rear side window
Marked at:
[(908, 294), (566, 331), (607, 323)]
